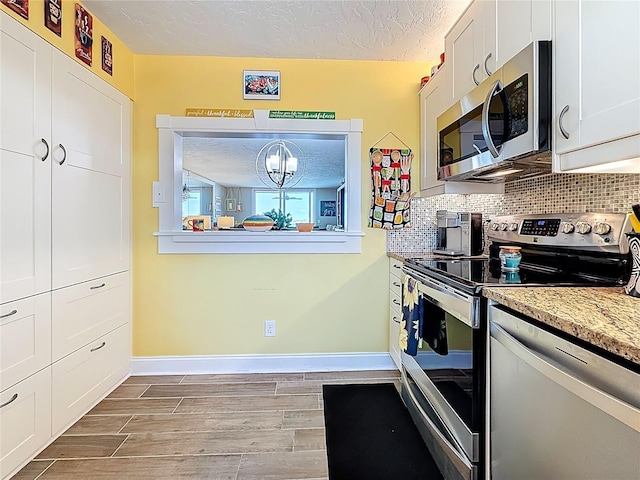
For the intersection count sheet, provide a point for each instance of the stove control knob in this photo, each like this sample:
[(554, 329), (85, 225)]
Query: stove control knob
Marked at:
[(513, 226), (495, 226), (601, 228), (583, 227), (567, 227), (504, 226)]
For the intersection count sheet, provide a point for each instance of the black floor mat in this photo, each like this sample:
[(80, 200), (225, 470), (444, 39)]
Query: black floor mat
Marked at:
[(371, 436)]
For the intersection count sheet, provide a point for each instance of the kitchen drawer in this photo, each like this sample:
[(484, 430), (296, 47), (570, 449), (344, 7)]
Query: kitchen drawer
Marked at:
[(395, 267), (395, 303), (25, 420), (394, 335), (81, 313), (82, 378), (395, 285), (25, 338)]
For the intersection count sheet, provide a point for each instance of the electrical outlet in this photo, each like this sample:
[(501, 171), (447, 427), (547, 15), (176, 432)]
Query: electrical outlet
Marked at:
[(269, 328)]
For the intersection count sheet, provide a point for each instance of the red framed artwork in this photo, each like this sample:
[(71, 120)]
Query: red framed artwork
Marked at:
[(84, 34), (21, 7)]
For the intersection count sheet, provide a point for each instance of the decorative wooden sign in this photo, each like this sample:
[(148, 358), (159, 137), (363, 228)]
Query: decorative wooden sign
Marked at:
[(219, 112)]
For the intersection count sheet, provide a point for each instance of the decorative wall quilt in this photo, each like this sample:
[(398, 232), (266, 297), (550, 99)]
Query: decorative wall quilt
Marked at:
[(390, 187)]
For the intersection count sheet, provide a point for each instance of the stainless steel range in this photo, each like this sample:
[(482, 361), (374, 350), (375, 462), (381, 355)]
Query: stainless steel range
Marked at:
[(446, 394)]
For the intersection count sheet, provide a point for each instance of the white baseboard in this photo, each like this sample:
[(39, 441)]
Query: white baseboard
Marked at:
[(194, 364)]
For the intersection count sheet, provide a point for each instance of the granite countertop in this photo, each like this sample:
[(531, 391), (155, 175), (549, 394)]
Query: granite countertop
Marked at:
[(604, 317)]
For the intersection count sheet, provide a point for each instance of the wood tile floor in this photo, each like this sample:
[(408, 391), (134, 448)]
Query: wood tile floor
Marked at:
[(213, 427)]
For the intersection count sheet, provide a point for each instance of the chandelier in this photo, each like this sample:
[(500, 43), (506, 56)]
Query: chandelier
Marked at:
[(279, 164)]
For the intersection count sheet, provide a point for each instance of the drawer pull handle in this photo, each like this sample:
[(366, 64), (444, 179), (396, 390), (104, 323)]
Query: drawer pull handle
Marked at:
[(396, 284), (13, 399), (396, 266), (395, 319), (99, 347), (13, 312), (47, 152), (396, 302), (97, 287)]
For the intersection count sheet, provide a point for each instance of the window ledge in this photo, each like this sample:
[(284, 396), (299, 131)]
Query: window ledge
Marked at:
[(259, 242)]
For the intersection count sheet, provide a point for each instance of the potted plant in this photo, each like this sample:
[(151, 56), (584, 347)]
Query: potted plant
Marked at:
[(280, 220)]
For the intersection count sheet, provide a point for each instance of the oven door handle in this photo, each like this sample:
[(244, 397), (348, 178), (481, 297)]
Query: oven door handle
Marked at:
[(455, 450), (447, 299)]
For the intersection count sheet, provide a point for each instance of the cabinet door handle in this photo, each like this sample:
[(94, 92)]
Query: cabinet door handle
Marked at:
[(564, 132), (12, 312), (64, 151), (98, 347), (395, 319), (95, 287), (47, 152), (396, 284), (396, 302), (486, 69), (396, 266), (473, 74), (11, 400)]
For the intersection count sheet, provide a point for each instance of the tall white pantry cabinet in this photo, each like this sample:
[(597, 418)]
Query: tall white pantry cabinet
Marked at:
[(65, 306)]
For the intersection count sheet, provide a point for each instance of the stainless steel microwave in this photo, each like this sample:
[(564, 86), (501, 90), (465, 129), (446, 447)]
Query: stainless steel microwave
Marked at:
[(501, 130)]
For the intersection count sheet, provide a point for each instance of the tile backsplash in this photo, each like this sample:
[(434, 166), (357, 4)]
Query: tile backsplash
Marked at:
[(556, 193)]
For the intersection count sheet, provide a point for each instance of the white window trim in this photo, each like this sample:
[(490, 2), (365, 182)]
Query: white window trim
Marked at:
[(167, 192)]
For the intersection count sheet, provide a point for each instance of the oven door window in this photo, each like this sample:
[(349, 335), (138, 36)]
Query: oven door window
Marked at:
[(452, 374)]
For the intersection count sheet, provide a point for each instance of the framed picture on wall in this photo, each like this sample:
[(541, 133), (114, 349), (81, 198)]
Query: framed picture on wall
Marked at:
[(21, 7), (327, 208), (261, 84), (231, 205)]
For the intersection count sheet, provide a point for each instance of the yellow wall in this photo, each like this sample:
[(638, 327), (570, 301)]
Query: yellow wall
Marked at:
[(217, 304), (122, 77)]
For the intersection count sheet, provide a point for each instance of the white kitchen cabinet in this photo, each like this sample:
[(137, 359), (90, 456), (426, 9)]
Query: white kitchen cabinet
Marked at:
[(433, 101), (90, 194), (81, 313), (395, 309), (25, 162), (489, 33), (25, 338), (64, 227), (25, 417), (82, 378), (596, 68)]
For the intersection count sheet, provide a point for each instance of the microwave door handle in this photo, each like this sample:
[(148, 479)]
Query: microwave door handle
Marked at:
[(495, 153)]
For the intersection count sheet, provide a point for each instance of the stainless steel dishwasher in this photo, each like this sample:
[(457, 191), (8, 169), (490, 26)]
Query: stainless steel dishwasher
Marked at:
[(557, 410)]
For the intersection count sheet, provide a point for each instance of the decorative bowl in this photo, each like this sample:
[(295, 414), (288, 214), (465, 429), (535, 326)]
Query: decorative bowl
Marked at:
[(257, 223), (304, 227)]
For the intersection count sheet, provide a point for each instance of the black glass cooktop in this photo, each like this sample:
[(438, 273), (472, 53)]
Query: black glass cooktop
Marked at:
[(473, 274)]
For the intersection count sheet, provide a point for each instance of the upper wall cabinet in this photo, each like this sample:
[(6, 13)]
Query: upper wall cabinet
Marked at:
[(489, 33), (597, 86), (434, 99)]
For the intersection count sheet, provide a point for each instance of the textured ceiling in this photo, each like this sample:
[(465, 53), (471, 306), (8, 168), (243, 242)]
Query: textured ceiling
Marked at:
[(402, 30)]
